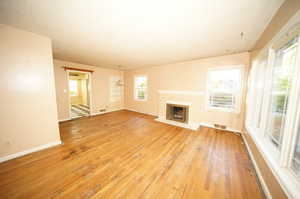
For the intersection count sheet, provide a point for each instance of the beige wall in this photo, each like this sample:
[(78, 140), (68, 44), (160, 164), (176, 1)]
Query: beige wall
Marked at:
[(288, 9), (186, 76), (100, 95), (28, 105)]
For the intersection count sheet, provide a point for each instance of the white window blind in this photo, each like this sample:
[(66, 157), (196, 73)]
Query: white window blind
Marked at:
[(224, 87)]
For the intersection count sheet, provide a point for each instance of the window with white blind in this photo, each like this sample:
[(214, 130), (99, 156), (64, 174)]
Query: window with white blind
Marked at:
[(140, 88), (224, 88)]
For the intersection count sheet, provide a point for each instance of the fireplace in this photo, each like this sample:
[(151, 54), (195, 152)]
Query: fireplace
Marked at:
[(178, 113)]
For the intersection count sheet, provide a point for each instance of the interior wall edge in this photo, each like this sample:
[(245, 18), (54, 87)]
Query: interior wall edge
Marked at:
[(263, 184), (267, 178), (28, 151), (287, 10)]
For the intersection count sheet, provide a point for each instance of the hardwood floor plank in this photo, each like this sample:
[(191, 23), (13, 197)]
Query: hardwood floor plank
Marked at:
[(124, 154)]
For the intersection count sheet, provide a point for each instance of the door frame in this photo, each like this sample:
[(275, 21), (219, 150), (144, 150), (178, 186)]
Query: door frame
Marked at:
[(89, 89)]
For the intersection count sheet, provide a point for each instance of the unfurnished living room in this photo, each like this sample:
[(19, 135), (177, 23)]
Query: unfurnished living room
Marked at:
[(150, 99)]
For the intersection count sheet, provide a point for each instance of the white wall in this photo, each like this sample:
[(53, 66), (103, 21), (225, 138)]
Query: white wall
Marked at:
[(28, 104)]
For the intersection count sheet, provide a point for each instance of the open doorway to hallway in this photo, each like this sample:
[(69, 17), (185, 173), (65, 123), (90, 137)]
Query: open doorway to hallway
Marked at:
[(79, 93)]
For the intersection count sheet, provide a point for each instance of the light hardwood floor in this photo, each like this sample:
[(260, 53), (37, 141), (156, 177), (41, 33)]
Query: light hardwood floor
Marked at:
[(125, 154)]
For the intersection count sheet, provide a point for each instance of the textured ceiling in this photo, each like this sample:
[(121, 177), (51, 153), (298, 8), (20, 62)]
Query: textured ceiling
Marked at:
[(141, 33)]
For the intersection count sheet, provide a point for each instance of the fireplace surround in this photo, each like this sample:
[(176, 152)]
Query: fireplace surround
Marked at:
[(178, 113), (180, 108)]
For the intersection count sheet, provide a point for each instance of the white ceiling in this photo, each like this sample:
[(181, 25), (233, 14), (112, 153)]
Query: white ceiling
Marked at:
[(141, 33)]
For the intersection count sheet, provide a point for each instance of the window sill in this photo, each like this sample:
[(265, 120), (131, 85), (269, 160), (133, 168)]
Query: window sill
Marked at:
[(284, 176), (141, 100), (223, 110)]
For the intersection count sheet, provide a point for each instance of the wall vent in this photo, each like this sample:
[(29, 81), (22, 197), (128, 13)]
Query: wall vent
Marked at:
[(220, 126)]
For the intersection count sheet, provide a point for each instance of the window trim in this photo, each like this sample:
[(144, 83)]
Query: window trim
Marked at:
[(134, 88), (280, 163), (239, 94), (284, 176)]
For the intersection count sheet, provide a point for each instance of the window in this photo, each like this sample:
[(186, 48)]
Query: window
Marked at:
[(283, 69), (296, 155), (73, 87), (273, 108), (140, 88), (115, 89), (224, 88)]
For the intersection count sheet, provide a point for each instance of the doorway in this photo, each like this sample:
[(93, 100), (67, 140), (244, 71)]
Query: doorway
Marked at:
[(79, 94)]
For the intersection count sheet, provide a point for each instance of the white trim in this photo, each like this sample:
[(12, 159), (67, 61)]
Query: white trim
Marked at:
[(179, 103), (259, 175), (212, 126), (64, 120), (283, 175), (129, 109), (100, 113), (292, 121), (197, 93), (89, 91), (28, 151), (190, 125), (279, 161)]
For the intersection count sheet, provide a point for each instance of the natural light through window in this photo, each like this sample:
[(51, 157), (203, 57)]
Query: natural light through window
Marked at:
[(282, 76), (140, 85), (73, 86), (224, 87), (273, 108)]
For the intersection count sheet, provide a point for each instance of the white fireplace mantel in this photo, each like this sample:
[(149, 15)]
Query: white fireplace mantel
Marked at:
[(179, 103)]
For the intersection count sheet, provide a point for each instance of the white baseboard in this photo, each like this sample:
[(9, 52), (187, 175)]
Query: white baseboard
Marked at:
[(192, 126), (100, 113), (260, 177), (34, 149), (64, 120), (227, 129), (129, 109)]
